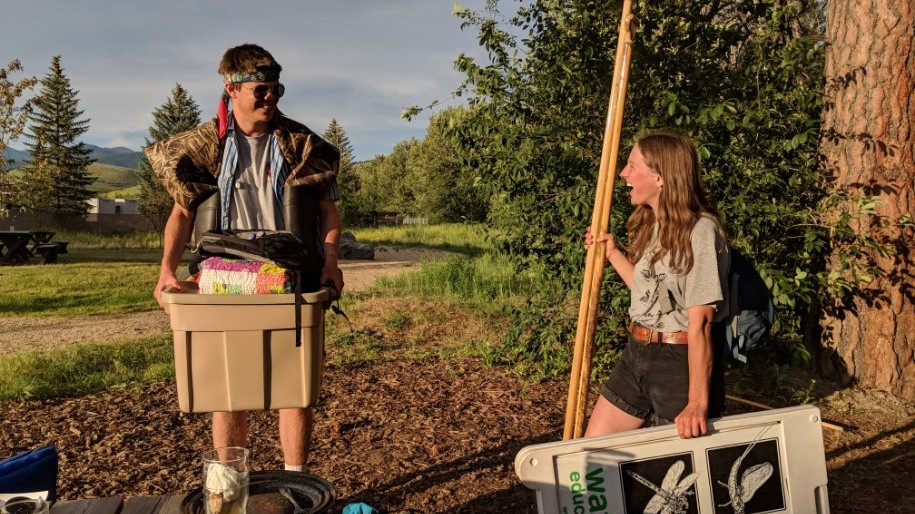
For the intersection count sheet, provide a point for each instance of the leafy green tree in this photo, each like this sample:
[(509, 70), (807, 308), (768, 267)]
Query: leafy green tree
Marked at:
[(13, 116), (445, 189), (386, 184), (366, 196), (425, 177), (57, 177), (743, 78), (351, 210), (179, 113)]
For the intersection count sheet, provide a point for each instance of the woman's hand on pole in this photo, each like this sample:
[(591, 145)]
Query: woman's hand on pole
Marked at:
[(610, 246), (613, 254)]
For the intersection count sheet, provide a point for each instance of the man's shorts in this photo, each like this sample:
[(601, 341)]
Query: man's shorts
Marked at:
[(651, 381)]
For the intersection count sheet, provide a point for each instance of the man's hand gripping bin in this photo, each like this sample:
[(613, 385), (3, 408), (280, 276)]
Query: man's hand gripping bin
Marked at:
[(240, 352)]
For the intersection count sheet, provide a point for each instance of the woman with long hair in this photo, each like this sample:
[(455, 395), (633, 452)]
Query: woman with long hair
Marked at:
[(675, 265)]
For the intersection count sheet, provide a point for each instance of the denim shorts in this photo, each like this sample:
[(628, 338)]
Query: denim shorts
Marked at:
[(651, 381)]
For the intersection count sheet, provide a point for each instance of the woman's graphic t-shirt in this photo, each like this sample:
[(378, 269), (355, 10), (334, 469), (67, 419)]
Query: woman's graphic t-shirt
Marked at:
[(660, 296)]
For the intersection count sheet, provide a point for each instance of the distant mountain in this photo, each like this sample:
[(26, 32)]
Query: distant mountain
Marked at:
[(111, 177), (118, 156), (115, 168), (15, 158)]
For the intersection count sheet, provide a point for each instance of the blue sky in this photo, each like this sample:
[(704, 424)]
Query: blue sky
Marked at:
[(359, 61)]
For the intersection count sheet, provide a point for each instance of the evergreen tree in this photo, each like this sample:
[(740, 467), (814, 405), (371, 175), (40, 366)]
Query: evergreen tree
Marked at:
[(351, 212), (335, 135), (178, 114), (864, 335), (57, 174)]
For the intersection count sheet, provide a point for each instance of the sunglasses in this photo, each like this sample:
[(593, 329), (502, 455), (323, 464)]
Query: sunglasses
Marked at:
[(260, 91)]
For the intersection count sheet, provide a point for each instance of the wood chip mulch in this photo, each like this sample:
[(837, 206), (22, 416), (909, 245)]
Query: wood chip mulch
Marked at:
[(415, 436), (419, 436)]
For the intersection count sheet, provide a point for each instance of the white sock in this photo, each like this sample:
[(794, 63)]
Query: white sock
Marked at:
[(290, 467)]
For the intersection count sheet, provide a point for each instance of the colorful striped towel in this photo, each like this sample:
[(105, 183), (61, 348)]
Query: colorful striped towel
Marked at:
[(219, 275)]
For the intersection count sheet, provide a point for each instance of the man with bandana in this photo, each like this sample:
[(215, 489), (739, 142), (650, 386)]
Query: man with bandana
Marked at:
[(252, 168)]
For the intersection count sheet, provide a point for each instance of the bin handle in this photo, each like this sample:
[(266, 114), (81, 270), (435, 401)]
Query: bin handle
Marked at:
[(332, 289)]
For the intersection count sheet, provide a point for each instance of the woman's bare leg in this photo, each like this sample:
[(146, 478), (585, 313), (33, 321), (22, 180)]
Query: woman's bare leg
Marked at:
[(609, 419)]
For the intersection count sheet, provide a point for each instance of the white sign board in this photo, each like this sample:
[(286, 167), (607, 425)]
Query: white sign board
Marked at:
[(763, 462)]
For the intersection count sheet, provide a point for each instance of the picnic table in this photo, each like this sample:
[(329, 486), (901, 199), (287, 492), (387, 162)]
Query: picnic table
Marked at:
[(44, 245), (14, 246), (41, 237), (19, 246)]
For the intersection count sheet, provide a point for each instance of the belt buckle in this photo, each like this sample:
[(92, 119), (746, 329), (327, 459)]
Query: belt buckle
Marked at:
[(650, 338), (636, 328)]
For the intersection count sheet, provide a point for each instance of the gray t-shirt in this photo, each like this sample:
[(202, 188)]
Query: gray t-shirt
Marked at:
[(660, 297), (254, 204)]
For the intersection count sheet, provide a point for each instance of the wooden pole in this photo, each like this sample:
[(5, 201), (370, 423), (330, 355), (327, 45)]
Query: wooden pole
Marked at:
[(594, 261), (733, 398)]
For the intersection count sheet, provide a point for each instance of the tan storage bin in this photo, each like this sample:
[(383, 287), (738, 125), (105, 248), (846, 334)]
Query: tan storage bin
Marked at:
[(239, 352)]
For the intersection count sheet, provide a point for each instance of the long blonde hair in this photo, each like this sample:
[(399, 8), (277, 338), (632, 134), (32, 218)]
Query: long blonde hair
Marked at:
[(681, 203)]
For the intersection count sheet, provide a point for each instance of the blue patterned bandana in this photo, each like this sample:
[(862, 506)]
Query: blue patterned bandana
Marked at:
[(253, 76)]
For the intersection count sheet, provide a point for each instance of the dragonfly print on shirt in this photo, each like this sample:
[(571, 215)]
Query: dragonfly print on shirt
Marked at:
[(650, 300)]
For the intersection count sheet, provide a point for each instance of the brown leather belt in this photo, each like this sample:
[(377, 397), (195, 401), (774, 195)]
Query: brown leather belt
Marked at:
[(647, 335)]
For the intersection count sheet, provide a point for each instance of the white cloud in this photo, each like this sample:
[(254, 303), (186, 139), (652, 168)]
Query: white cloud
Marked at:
[(359, 61)]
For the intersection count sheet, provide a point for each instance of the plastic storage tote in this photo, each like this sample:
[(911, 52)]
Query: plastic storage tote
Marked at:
[(239, 352)]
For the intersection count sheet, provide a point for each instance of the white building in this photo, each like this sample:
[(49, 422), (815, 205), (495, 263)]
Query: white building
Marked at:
[(113, 206)]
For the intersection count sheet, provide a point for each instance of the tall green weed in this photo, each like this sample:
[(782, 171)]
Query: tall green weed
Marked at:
[(465, 238), (85, 368), (489, 282), (83, 239)]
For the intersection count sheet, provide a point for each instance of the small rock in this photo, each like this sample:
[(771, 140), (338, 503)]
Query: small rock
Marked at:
[(359, 251)]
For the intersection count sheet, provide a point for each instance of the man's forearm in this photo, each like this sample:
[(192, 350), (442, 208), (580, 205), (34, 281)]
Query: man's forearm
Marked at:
[(177, 234), (330, 229)]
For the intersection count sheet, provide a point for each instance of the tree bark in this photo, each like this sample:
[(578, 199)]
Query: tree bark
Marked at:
[(866, 149)]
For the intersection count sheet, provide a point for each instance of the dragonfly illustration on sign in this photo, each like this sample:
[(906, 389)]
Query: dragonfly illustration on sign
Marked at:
[(671, 496), (752, 479)]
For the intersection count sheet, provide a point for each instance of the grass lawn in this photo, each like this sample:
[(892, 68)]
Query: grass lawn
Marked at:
[(416, 311), (78, 289)]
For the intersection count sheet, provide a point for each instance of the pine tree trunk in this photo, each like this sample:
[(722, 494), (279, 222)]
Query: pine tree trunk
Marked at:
[(867, 148)]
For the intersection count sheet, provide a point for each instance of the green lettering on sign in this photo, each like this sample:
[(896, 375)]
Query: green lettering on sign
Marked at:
[(596, 480)]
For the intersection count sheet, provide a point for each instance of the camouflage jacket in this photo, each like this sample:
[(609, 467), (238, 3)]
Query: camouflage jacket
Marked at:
[(187, 164)]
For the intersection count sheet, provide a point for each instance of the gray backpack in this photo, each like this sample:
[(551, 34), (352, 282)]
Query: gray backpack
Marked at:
[(751, 306)]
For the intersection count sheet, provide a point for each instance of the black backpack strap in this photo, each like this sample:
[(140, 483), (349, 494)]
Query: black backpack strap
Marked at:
[(298, 308), (206, 216)]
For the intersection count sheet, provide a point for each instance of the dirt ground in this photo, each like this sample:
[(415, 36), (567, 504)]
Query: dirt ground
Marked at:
[(423, 434)]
